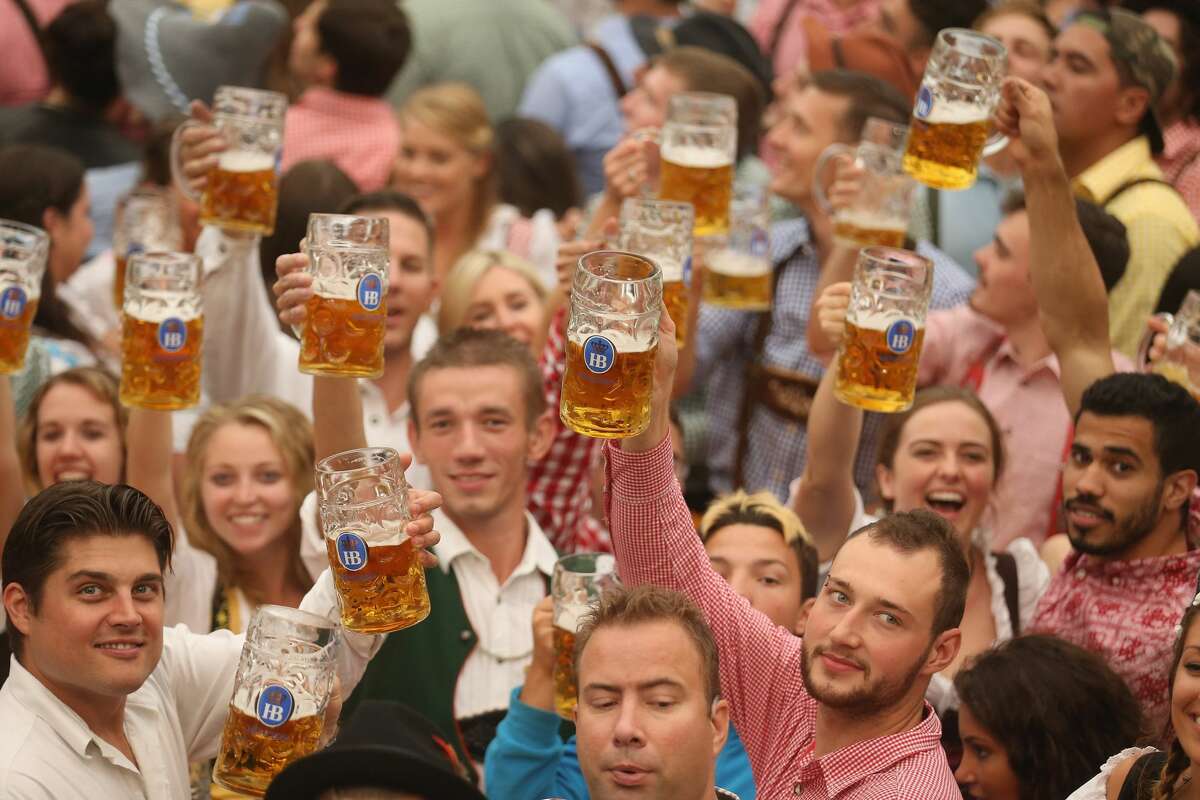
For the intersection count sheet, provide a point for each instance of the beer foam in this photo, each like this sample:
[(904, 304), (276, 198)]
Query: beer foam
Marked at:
[(568, 615), (950, 113), (738, 265), (245, 161), (156, 306), (624, 342), (873, 220), (881, 321), (689, 155), (672, 270), (336, 288)]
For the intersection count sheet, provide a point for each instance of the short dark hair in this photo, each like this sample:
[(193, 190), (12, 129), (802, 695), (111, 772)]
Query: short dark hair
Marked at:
[(534, 168), (1188, 14), (1184, 277), (1084, 711), (934, 15), (1172, 411), (914, 531), (869, 97), (370, 41), (472, 347), (75, 510), (1106, 235), (390, 200), (80, 46), (650, 603)]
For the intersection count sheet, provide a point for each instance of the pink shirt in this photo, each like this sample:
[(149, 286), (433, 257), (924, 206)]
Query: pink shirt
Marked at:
[(792, 49), (23, 75), (656, 543), (964, 348), (359, 134), (1180, 161)]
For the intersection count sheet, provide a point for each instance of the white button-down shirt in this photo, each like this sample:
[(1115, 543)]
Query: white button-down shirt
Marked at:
[(501, 614), (48, 752)]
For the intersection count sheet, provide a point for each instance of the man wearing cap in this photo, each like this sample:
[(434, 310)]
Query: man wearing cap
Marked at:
[(1108, 71)]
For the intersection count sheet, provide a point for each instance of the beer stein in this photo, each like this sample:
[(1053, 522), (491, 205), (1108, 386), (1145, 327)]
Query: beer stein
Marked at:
[(698, 151), (241, 191), (577, 584), (162, 331), (1181, 360), (284, 681), (885, 327), (661, 230), (737, 267), (880, 213), (347, 315), (612, 338), (363, 501), (952, 117), (146, 220), (23, 253)]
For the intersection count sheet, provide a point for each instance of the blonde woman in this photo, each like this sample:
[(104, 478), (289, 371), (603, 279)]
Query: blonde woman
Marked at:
[(447, 163), (495, 289)]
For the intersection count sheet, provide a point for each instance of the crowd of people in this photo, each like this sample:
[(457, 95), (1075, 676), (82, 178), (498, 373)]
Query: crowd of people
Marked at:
[(991, 592)]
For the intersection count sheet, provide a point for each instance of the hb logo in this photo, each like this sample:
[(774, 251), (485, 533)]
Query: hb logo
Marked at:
[(352, 551), (12, 302), (370, 291), (598, 354), (172, 334), (900, 336), (275, 705), (924, 103)]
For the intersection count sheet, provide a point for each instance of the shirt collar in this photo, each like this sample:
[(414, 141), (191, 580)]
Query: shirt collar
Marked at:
[(1099, 180), (539, 553), (374, 403), (1048, 361), (33, 695), (845, 767), (1150, 569)]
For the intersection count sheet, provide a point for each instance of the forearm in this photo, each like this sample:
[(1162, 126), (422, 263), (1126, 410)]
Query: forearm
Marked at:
[(12, 493), (838, 268), (825, 497), (148, 456), (337, 416), (525, 758)]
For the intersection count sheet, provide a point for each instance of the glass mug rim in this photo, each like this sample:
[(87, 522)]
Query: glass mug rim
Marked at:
[(947, 38), (584, 265), (322, 652), (166, 259), (722, 106), (268, 103), (386, 456), (375, 226), (630, 204), (561, 565), (24, 228), (882, 256)]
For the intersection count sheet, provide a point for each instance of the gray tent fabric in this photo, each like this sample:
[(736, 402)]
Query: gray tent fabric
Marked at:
[(167, 57)]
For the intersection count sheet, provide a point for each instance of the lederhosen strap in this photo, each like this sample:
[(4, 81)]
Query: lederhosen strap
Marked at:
[(610, 67), (32, 21), (780, 25), (1006, 568), (1127, 185)]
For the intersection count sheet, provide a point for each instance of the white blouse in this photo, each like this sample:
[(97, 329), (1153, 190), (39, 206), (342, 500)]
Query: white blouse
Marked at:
[(1097, 787)]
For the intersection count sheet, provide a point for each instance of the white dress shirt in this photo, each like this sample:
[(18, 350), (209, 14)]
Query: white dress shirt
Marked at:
[(48, 752)]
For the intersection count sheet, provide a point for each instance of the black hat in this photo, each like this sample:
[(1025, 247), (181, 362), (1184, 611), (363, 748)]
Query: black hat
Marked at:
[(715, 32), (387, 746)]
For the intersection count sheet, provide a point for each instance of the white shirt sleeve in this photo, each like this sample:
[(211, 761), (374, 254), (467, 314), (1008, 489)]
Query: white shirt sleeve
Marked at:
[(1033, 576), (312, 541), (189, 585), (357, 649), (1097, 787)]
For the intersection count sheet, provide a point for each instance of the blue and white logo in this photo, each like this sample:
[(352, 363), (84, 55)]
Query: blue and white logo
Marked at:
[(275, 705), (172, 334), (370, 291), (352, 551), (924, 103), (598, 354), (900, 336), (759, 243), (12, 302), (687, 270)]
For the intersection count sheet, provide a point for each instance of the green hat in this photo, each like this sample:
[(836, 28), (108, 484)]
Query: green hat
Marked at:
[(1144, 56)]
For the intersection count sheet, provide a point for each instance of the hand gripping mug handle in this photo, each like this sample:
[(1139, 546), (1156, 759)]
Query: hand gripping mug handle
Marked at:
[(176, 167), (994, 144), (1142, 363), (823, 160)]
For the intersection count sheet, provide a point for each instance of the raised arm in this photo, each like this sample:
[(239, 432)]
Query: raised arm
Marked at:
[(1066, 278), (337, 416), (12, 493), (148, 452)]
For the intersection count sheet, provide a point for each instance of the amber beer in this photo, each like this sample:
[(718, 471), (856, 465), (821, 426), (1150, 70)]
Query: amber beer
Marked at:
[(343, 336), (566, 688), (382, 587), (160, 361), (703, 178), (738, 280), (120, 264), (675, 301), (17, 310), (241, 193), (255, 749), (863, 230), (607, 386), (877, 367), (944, 149)]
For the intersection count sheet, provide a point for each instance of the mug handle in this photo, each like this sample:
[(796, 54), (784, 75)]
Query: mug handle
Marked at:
[(1142, 362), (177, 167), (823, 160), (994, 144)]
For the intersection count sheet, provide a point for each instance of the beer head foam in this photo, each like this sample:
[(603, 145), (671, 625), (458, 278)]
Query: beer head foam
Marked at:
[(339, 288), (882, 321), (690, 155), (568, 615), (952, 113), (622, 341), (872, 220), (150, 305), (738, 265), (245, 161)]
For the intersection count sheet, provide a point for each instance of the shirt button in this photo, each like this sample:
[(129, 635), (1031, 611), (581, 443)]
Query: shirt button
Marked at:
[(1080, 574), (375, 419), (465, 636)]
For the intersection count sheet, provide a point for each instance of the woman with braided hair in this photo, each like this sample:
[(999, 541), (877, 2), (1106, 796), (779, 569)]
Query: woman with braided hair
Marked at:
[(1144, 773)]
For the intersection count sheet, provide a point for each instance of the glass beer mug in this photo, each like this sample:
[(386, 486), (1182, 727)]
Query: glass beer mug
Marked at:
[(347, 314), (241, 191), (23, 253), (880, 213), (577, 583), (952, 118), (162, 331), (698, 151), (147, 219), (737, 268), (885, 327), (661, 230), (612, 339), (284, 681), (1181, 359), (363, 501)]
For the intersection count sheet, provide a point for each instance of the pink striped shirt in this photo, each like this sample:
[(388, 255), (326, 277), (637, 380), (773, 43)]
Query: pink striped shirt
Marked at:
[(359, 134), (656, 543)]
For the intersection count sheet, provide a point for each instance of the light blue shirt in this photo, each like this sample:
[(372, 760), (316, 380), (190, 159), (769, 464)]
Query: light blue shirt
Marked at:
[(967, 219), (105, 186)]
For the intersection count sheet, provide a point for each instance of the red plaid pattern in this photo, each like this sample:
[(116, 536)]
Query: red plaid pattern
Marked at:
[(1126, 612), (1180, 161), (559, 487), (760, 662), (359, 134)]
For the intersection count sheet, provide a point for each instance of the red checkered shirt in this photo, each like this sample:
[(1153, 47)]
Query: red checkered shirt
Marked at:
[(760, 662), (359, 134), (1180, 161), (560, 484), (1126, 612)]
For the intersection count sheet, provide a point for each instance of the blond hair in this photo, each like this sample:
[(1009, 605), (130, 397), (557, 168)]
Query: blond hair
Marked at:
[(291, 433), (465, 275), (457, 110)]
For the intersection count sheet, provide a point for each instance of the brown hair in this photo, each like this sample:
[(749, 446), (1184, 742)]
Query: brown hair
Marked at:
[(1029, 9), (764, 510), (100, 383), (291, 433), (467, 347), (705, 71), (1177, 758), (650, 603), (889, 441)]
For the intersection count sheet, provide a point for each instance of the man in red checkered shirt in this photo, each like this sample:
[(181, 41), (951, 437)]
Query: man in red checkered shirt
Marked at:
[(840, 713)]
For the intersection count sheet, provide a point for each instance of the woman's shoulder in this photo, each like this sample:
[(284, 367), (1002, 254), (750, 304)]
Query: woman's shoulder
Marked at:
[(1106, 785)]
